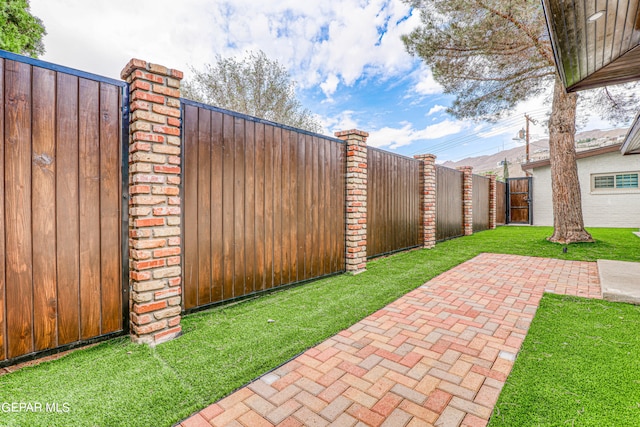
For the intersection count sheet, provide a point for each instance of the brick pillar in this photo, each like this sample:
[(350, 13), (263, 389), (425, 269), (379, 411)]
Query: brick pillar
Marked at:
[(356, 199), (492, 201), (428, 199), (467, 199), (154, 205)]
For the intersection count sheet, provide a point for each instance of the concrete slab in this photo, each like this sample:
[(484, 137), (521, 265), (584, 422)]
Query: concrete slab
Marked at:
[(620, 281), (637, 233)]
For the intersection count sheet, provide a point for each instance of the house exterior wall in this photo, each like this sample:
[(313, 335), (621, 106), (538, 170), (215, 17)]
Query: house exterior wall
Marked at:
[(611, 208)]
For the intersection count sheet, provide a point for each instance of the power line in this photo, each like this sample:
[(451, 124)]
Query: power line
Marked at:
[(469, 137)]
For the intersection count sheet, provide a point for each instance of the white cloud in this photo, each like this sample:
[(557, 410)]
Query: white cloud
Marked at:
[(436, 109), (329, 42), (407, 134), (330, 85), (425, 83), (343, 121)]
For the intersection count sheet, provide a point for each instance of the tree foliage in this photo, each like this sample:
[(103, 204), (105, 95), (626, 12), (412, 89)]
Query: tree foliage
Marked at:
[(20, 32), (253, 85), (492, 54)]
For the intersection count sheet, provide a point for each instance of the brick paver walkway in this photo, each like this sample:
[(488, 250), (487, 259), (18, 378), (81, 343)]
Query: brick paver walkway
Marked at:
[(437, 356)]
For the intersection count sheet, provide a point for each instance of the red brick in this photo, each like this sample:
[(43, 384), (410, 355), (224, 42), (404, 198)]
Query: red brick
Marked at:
[(149, 137), (152, 306), (211, 411), (437, 401), (145, 96), (140, 275), (171, 121), (166, 111), (139, 146), (196, 420), (365, 415), (159, 253), (140, 189), (139, 84), (167, 130), (166, 211), (166, 169), (162, 90), (387, 404), (139, 105), (160, 335), (175, 281), (148, 222), (172, 292)]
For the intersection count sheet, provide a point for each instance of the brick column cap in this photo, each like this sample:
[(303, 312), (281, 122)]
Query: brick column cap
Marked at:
[(425, 157), (352, 132), (465, 168), (138, 64)]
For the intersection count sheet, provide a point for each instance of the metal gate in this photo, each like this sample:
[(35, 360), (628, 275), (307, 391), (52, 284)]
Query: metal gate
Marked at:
[(63, 168), (519, 201)]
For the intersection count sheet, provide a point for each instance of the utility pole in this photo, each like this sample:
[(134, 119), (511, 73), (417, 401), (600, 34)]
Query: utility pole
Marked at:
[(528, 119)]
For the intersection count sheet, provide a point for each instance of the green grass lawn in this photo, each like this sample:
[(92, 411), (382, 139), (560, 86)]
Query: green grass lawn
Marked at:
[(578, 366), (118, 383)]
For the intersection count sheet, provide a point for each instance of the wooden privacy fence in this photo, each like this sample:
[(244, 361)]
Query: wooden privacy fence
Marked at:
[(220, 205), (393, 202), (480, 203), (61, 214), (449, 213), (263, 205)]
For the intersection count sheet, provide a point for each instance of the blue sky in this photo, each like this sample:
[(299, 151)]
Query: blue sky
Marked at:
[(346, 57)]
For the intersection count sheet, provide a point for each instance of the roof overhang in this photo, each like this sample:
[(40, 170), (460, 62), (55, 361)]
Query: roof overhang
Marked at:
[(595, 43), (631, 144), (579, 155)]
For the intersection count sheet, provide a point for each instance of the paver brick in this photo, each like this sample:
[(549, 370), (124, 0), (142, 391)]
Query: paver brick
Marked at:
[(434, 357)]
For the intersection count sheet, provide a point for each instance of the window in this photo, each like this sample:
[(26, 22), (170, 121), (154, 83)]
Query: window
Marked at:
[(627, 180)]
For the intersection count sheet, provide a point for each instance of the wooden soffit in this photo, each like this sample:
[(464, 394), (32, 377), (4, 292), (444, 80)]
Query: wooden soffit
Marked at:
[(631, 144), (595, 42)]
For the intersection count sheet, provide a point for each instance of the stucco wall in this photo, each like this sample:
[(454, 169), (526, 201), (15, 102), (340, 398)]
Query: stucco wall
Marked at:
[(615, 208)]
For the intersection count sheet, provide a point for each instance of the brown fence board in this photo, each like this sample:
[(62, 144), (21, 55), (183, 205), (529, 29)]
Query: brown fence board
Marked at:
[(449, 219), (228, 211), (3, 287), (43, 219), (393, 194), (280, 215), (203, 175), (190, 202), (480, 203), (249, 208), (17, 208), (501, 202), (89, 187), (238, 198), (217, 250), (110, 208), (67, 205)]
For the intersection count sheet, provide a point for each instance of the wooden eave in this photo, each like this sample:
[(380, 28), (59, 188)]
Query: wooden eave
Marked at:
[(599, 53), (579, 155), (631, 143)]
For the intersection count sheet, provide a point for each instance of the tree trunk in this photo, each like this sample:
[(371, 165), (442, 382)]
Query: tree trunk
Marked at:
[(565, 188)]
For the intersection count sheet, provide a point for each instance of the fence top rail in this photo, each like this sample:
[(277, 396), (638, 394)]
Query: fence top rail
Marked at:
[(60, 68), (448, 169), (186, 101), (392, 153), (481, 176)]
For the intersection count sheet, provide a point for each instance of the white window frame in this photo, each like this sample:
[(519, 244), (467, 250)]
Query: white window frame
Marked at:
[(614, 189)]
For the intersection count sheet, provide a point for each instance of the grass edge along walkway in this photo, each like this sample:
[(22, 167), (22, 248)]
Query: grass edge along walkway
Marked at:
[(118, 383), (578, 365)]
